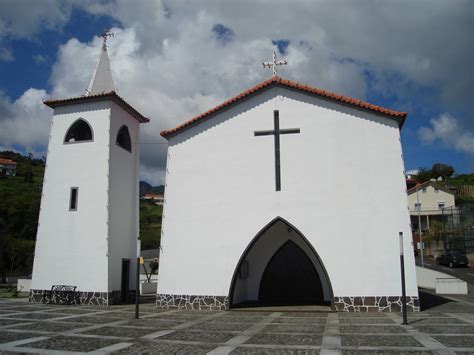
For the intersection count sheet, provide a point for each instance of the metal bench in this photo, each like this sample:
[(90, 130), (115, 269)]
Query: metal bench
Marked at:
[(61, 294)]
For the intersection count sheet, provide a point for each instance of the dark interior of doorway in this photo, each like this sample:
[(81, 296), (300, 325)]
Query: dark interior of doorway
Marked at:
[(125, 280), (289, 279)]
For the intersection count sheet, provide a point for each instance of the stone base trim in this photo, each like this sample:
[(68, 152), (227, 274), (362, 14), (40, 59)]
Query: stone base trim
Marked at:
[(342, 304), (209, 303), (376, 304), (84, 298)]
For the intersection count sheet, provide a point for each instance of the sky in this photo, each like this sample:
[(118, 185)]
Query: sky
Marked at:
[(172, 60)]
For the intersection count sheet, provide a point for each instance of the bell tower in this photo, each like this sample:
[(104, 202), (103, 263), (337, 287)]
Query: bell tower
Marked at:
[(88, 223)]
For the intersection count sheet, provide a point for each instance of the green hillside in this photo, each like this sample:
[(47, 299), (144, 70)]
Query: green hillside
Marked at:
[(150, 224), (19, 208), (462, 179), (20, 198)]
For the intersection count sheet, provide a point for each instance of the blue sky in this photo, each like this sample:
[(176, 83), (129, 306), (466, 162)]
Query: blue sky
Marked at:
[(173, 60)]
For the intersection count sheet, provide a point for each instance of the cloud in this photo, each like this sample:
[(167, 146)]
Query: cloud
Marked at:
[(445, 129), (6, 55), (173, 60), (25, 121), (40, 59), (25, 18)]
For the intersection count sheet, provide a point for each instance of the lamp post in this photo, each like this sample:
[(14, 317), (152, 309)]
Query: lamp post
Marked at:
[(420, 233), (137, 281), (402, 269)]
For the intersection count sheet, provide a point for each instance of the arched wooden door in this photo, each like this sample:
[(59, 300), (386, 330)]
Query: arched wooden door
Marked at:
[(280, 267), (290, 278)]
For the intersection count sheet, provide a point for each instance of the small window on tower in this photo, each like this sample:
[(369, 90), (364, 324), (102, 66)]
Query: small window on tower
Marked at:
[(123, 139), (73, 199), (80, 131)]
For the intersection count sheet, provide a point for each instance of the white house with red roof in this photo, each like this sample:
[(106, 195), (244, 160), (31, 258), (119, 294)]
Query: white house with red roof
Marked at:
[(426, 202), (88, 223), (158, 199), (289, 216), (7, 167)]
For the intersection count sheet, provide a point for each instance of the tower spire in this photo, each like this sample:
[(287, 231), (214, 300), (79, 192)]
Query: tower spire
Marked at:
[(102, 81)]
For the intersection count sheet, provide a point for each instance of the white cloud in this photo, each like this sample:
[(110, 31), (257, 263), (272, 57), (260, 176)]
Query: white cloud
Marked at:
[(446, 129), (25, 121), (167, 62), (6, 55), (24, 18), (40, 59)]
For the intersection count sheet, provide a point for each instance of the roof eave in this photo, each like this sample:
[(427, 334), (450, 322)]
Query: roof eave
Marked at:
[(99, 97)]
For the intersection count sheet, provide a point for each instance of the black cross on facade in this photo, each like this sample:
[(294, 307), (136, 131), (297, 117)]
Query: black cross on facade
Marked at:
[(276, 132)]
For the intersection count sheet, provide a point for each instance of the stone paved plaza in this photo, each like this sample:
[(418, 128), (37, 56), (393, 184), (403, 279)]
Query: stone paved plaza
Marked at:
[(37, 328)]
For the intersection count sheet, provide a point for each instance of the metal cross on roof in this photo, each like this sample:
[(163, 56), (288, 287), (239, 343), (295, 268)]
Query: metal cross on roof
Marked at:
[(105, 35), (273, 64)]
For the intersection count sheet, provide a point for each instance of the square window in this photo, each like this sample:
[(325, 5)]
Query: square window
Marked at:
[(73, 199), (417, 206), (424, 190), (441, 205)]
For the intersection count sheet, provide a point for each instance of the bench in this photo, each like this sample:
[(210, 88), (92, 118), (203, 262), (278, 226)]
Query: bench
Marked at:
[(61, 294)]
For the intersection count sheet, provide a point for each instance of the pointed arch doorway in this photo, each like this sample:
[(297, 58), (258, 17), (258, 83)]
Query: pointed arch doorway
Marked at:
[(280, 268)]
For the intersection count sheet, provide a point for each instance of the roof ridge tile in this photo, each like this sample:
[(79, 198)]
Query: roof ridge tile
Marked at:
[(397, 115)]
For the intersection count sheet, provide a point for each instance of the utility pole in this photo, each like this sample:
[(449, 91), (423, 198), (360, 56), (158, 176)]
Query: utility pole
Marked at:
[(402, 270), (420, 233), (137, 288), (137, 280)]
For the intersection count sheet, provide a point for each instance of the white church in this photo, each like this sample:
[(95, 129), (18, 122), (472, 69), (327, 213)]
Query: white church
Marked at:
[(304, 199)]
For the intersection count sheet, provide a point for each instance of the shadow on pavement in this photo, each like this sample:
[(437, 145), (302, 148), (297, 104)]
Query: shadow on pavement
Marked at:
[(147, 298), (428, 300)]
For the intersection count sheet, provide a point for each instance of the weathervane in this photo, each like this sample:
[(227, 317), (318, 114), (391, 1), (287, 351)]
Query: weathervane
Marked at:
[(105, 35), (274, 64)]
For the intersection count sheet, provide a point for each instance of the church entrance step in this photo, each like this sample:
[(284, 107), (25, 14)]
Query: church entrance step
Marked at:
[(306, 308)]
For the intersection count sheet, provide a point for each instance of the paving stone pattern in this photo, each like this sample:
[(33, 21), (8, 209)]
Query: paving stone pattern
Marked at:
[(39, 328)]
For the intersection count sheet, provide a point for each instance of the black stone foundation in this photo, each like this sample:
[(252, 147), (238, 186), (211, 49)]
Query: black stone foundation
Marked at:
[(376, 304), (341, 304), (83, 298), (208, 303)]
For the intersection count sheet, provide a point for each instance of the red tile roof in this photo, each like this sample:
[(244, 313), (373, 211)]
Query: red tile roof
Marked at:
[(7, 161), (435, 184), (153, 195), (91, 98), (277, 81)]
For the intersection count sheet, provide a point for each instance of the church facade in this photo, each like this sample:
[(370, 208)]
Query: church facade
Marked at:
[(286, 195)]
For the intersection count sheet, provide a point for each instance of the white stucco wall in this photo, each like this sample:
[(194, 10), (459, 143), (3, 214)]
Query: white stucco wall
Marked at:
[(123, 197), (85, 248), (71, 246), (342, 186)]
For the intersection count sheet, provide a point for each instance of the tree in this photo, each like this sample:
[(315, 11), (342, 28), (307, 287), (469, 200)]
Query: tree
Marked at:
[(423, 175), (437, 170), (153, 265), (19, 253), (442, 170)]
